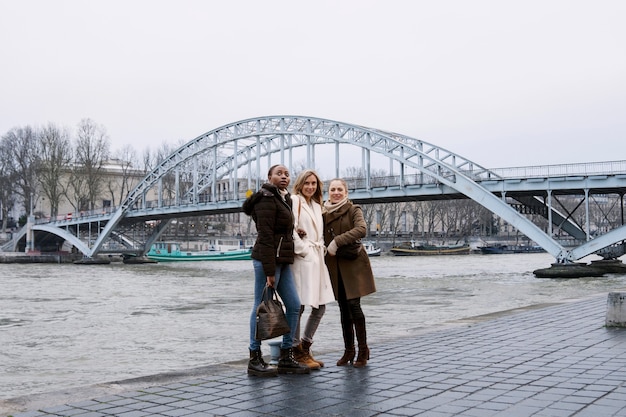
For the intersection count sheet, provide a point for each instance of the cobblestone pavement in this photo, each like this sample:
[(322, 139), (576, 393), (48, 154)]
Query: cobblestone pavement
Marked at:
[(557, 360)]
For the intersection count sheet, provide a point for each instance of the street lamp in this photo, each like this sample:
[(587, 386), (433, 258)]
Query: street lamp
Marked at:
[(30, 234)]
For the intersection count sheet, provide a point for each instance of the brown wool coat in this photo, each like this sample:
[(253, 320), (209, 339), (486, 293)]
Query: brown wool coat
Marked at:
[(348, 225)]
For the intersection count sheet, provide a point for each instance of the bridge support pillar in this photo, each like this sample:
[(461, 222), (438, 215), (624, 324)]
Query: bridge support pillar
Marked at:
[(616, 310), (30, 234)]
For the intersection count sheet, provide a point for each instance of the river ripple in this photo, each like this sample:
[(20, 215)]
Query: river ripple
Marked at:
[(65, 326)]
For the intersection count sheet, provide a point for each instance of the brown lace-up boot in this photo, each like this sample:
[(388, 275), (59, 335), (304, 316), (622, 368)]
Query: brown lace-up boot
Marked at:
[(306, 348), (304, 358)]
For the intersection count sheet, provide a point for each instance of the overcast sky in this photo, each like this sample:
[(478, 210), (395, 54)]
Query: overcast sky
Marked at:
[(503, 83)]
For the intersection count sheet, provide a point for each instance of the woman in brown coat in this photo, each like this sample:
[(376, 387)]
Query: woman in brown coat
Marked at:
[(351, 279)]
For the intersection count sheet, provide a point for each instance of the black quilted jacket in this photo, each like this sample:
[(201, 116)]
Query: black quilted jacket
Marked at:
[(274, 225)]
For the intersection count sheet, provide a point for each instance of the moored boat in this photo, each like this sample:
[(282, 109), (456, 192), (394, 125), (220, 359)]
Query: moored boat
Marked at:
[(172, 252), (138, 260), (371, 249), (414, 249), (500, 249), (92, 261)]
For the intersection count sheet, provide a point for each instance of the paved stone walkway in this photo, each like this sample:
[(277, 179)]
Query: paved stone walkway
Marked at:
[(557, 360)]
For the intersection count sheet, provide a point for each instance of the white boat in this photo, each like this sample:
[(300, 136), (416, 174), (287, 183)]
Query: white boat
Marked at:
[(371, 249)]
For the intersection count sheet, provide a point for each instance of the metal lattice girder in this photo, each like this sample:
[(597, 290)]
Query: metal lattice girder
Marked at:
[(535, 205)]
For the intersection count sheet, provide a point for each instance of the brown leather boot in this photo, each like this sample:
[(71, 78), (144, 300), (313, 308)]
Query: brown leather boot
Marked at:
[(361, 337), (347, 330), (306, 348), (348, 357), (304, 358), (362, 357)]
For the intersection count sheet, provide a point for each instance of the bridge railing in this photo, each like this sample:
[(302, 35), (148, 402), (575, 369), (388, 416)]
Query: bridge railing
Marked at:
[(539, 171), (83, 215), (568, 170)]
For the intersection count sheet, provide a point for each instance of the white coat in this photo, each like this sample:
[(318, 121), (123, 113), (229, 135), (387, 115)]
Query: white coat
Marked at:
[(309, 269)]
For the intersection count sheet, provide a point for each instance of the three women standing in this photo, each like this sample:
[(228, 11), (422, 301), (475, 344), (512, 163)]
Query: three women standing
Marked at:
[(280, 242), (309, 270), (351, 279)]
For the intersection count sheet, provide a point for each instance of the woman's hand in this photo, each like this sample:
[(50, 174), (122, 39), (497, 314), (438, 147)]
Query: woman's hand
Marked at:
[(332, 248), (271, 280)]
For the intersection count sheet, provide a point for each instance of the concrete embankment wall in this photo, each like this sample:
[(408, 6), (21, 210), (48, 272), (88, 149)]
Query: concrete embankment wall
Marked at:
[(28, 258)]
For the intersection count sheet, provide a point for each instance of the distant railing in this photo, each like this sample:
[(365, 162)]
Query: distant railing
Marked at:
[(81, 215), (569, 170)]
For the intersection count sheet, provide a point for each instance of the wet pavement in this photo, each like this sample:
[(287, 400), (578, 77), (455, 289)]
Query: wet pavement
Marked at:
[(550, 360)]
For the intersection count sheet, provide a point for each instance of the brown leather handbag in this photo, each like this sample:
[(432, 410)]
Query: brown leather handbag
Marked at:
[(270, 317)]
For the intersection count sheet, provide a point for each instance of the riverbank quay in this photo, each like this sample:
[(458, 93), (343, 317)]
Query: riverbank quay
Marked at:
[(548, 360), (37, 258)]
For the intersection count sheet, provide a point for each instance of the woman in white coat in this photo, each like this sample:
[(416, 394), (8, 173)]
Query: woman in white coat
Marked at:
[(309, 268)]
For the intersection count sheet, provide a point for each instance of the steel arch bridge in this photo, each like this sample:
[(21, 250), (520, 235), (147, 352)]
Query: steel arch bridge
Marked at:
[(212, 173)]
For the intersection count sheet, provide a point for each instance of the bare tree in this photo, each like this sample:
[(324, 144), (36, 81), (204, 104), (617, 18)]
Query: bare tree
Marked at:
[(460, 215), (90, 155), (296, 168), (120, 185), (369, 214), (354, 172), (168, 181), (7, 195), (431, 218), (77, 189), (379, 178), (382, 211), (415, 210), (24, 150), (148, 160), (395, 218), (355, 177), (56, 154)]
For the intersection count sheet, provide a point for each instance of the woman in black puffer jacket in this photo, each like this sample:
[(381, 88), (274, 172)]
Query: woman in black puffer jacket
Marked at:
[(272, 256)]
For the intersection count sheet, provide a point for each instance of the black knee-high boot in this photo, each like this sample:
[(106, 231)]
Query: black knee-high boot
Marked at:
[(361, 337), (348, 341)]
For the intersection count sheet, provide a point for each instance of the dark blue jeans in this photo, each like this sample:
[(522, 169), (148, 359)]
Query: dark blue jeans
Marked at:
[(286, 289)]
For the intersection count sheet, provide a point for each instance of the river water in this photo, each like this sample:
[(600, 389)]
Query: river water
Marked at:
[(70, 325)]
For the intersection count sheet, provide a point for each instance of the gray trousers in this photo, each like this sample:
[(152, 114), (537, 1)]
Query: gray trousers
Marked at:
[(312, 324)]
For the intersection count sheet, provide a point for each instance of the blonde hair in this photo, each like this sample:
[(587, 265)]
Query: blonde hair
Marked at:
[(299, 184)]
